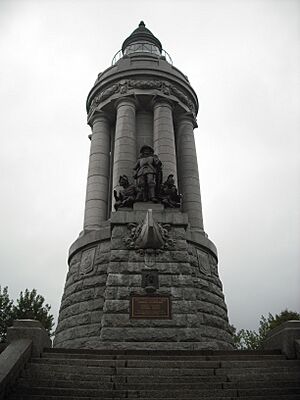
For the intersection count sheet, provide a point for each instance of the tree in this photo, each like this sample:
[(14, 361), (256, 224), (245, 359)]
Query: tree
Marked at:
[(284, 316), (246, 339), (6, 316), (30, 305)]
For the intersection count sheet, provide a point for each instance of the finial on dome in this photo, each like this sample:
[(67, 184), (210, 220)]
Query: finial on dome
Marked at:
[(142, 35)]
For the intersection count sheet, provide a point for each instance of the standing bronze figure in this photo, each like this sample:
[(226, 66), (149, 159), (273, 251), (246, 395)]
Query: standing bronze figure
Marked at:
[(148, 175)]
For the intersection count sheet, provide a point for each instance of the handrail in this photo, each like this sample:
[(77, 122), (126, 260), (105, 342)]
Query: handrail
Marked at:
[(12, 361)]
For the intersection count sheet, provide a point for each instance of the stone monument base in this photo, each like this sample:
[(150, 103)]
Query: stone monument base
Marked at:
[(143, 282)]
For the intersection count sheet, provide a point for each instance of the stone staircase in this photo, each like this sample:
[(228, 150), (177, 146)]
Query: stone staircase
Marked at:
[(95, 374)]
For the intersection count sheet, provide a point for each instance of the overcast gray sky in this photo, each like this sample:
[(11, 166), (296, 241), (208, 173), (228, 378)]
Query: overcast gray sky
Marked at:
[(242, 58)]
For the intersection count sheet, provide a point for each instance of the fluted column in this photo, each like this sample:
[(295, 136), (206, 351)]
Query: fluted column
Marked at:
[(98, 173), (188, 175), (164, 138), (125, 140)]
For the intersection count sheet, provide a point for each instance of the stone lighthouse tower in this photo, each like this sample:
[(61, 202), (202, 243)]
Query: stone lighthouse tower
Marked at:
[(143, 273)]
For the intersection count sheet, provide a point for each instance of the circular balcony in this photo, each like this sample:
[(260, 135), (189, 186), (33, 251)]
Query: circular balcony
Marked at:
[(142, 49)]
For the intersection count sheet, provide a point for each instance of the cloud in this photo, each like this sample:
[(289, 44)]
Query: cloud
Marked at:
[(242, 60)]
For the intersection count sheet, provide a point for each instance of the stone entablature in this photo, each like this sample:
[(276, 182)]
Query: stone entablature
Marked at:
[(145, 87), (135, 73)]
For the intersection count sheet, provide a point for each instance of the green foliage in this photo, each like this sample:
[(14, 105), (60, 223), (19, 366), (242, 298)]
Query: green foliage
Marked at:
[(5, 312), (30, 305), (245, 339), (284, 316)]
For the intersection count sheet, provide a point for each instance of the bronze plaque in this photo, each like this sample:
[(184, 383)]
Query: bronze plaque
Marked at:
[(150, 307)]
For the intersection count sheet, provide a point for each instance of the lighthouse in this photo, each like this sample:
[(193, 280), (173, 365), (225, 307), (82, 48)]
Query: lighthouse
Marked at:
[(143, 273)]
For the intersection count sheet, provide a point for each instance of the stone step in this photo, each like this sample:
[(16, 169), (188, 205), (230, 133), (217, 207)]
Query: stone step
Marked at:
[(81, 362), (157, 384), (87, 384), (220, 378), (183, 394), (165, 371), (46, 397), (82, 356), (154, 394), (67, 383), (24, 396), (94, 393), (35, 367), (160, 375), (262, 384), (261, 364), (212, 364), (73, 393), (164, 357), (268, 391), (272, 397), (105, 373), (204, 385), (227, 353), (246, 357), (169, 363), (62, 375), (132, 363), (231, 372), (293, 375)]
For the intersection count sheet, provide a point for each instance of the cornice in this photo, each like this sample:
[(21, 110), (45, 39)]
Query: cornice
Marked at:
[(126, 87)]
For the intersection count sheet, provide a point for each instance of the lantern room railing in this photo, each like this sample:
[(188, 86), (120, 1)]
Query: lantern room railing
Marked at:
[(142, 48)]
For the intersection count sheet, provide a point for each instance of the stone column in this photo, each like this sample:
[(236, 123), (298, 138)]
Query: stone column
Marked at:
[(125, 141), (164, 138), (98, 173), (188, 175), (144, 130)]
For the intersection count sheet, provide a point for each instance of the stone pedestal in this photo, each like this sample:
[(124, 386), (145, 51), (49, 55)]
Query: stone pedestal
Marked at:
[(286, 338), (30, 329), (95, 309)]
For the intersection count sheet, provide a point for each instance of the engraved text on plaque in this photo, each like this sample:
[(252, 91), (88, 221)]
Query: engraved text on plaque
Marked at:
[(145, 307)]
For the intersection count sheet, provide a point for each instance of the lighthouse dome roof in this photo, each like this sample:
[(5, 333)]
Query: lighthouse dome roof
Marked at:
[(141, 35)]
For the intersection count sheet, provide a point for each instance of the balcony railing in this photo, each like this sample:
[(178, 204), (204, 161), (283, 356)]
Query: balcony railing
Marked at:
[(142, 48)]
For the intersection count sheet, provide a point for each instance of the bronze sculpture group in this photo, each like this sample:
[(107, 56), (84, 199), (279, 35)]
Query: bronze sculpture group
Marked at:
[(149, 185)]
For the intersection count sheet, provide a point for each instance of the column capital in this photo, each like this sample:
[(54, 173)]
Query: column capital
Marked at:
[(159, 101), (130, 101), (186, 117), (98, 116)]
